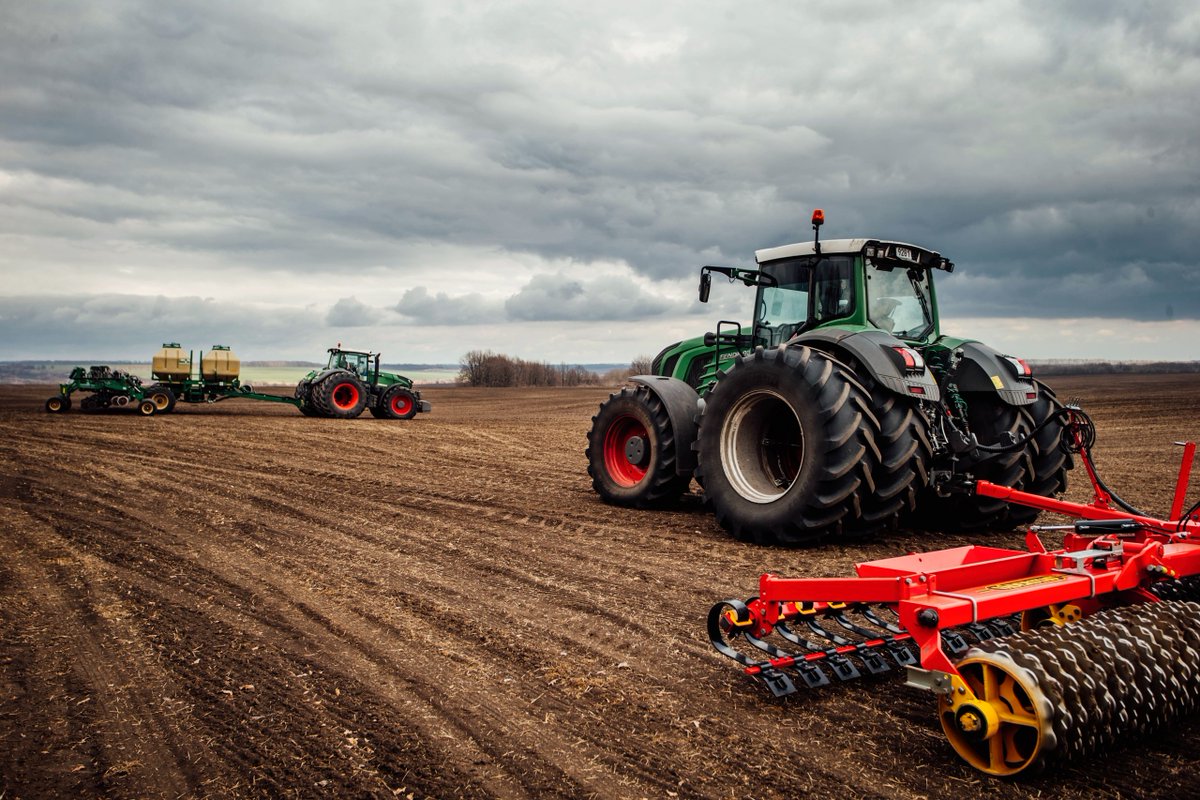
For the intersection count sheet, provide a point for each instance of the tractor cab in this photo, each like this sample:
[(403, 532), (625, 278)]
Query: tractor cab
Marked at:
[(857, 284), (356, 361), (852, 284)]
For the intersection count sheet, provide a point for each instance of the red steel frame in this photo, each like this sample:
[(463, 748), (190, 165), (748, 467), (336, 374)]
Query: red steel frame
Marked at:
[(970, 584)]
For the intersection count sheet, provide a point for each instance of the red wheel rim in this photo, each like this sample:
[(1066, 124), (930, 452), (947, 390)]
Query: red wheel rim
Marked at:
[(345, 396), (620, 469), (401, 403)]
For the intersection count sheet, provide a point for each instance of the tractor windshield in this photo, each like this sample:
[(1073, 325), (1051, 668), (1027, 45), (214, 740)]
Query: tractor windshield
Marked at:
[(899, 300), (355, 362), (811, 290)]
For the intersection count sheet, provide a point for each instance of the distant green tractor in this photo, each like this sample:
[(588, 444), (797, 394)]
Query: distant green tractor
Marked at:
[(841, 410), (351, 382)]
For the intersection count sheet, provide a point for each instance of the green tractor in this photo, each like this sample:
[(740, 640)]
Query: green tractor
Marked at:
[(842, 410), (351, 382)]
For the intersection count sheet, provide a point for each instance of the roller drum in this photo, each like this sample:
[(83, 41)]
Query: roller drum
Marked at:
[(1065, 691)]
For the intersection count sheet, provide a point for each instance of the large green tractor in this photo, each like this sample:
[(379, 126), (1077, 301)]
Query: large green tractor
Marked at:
[(840, 410), (351, 382)]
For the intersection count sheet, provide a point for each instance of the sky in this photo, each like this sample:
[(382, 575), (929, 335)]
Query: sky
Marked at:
[(545, 178)]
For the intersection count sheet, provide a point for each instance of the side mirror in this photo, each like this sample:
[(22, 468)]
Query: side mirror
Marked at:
[(705, 286)]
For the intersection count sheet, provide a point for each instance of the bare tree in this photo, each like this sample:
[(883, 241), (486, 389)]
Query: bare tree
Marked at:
[(485, 368), (641, 365)]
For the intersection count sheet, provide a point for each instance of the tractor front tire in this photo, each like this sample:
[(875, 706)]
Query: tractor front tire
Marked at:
[(783, 444), (397, 403), (163, 397), (632, 451), (59, 404), (341, 395)]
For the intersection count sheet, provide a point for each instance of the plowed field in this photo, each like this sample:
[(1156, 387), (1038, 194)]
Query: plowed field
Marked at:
[(236, 600)]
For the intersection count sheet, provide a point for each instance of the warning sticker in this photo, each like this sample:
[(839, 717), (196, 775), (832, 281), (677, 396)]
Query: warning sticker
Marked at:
[(1021, 583), (999, 384)]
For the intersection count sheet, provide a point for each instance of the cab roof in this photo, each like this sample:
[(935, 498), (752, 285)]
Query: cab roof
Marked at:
[(923, 256)]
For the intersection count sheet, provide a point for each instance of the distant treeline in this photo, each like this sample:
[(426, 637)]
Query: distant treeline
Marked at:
[(485, 368), (1113, 367)]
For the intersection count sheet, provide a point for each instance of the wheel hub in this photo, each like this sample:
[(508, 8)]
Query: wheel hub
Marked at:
[(762, 446), (636, 450), (627, 451), (977, 722)]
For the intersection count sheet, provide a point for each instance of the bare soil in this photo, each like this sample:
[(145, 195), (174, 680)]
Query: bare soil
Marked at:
[(236, 600)]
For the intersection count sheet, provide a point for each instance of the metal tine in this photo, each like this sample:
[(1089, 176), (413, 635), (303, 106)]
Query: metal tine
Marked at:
[(841, 619), (813, 676), (768, 648), (873, 661), (871, 658), (816, 628), (786, 632), (903, 654), (843, 668), (875, 619)]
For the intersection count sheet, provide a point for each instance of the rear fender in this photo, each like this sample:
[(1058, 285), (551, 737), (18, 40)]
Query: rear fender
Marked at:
[(875, 351), (983, 369), (681, 401), (325, 373)]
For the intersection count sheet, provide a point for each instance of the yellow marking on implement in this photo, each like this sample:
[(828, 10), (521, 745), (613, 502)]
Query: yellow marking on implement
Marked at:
[(731, 618), (999, 384), (1021, 583)]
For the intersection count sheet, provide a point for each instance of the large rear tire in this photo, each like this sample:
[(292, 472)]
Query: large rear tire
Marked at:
[(901, 471), (783, 443), (340, 395), (632, 451)]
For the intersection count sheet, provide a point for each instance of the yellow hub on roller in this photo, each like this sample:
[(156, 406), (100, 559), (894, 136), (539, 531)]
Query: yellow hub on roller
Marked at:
[(996, 716), (1057, 614)]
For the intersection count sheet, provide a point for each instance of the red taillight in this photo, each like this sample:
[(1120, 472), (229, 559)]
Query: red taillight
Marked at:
[(916, 390), (1031, 395), (1020, 365), (912, 359)]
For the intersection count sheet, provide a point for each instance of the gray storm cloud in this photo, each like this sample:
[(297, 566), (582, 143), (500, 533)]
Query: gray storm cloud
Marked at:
[(559, 297), (132, 326), (440, 308), (1049, 149)]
